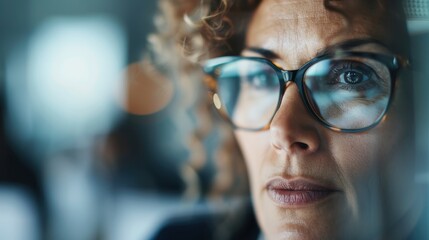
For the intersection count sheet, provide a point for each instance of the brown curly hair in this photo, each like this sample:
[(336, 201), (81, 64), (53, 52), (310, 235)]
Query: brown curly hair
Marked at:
[(188, 32)]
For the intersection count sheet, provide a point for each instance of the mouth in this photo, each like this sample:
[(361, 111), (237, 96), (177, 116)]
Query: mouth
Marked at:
[(296, 193)]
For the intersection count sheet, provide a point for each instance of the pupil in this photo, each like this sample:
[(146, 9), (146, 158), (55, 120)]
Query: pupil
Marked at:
[(353, 77)]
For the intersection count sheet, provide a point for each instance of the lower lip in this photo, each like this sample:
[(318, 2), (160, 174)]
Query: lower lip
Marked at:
[(289, 198)]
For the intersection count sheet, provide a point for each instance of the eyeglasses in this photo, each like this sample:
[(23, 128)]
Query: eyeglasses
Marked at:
[(346, 91)]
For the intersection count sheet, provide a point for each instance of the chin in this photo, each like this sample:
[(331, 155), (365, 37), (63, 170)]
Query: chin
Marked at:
[(326, 218)]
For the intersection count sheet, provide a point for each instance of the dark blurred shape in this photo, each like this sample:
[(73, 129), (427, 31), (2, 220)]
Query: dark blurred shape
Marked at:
[(208, 225), (146, 154), (16, 172)]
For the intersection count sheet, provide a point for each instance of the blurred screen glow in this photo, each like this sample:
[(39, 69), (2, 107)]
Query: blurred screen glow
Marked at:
[(63, 86), (18, 218), (418, 26)]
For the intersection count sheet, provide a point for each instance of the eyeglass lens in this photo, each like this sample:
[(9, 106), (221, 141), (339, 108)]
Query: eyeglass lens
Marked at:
[(249, 91)]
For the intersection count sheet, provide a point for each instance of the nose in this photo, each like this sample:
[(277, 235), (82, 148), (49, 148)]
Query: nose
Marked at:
[(293, 129)]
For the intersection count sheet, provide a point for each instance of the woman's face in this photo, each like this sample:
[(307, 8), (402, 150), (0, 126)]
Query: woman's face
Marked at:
[(307, 181)]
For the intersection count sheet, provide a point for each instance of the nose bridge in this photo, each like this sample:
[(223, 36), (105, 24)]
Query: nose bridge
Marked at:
[(292, 128)]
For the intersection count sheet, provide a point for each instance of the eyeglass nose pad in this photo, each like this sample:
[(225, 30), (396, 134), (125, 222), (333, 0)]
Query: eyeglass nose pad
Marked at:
[(287, 75)]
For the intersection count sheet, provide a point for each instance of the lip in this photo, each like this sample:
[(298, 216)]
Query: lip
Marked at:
[(297, 192)]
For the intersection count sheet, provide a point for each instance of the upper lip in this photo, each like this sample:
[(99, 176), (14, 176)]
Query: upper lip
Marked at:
[(298, 184)]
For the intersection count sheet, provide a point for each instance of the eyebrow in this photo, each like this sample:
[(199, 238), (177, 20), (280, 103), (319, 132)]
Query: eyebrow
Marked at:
[(345, 45), (348, 44), (263, 52)]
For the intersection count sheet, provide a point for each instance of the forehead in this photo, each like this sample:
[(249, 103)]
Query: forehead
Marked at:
[(297, 30)]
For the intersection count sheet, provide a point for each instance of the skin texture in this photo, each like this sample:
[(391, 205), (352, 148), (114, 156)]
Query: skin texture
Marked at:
[(373, 170)]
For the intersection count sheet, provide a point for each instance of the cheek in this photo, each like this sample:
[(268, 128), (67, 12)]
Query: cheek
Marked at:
[(375, 174), (254, 146), (357, 159), (357, 156)]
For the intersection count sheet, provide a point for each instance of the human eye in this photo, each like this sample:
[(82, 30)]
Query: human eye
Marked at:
[(353, 76), (262, 79), (258, 75)]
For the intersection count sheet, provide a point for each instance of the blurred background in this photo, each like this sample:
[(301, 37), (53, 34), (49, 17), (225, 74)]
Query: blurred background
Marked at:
[(73, 163)]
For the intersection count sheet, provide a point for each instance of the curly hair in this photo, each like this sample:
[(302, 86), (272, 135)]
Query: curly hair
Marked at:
[(187, 32)]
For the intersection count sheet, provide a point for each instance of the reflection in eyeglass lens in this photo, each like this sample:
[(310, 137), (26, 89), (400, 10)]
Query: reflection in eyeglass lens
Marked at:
[(348, 93), (249, 90)]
